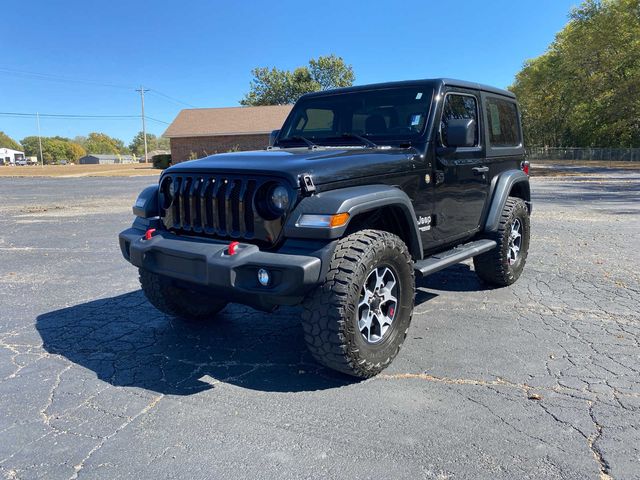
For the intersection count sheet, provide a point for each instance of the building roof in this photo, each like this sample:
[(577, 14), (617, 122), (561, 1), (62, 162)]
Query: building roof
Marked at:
[(205, 122), (151, 153), (102, 156), (10, 150)]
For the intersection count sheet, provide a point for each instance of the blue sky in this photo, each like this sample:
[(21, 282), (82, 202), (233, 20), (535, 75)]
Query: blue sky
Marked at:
[(202, 52)]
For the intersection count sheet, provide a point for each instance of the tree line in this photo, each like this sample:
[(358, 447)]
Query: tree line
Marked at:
[(584, 91), (55, 149)]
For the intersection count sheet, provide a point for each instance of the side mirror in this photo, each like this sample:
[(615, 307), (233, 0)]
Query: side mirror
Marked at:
[(272, 137), (461, 132)]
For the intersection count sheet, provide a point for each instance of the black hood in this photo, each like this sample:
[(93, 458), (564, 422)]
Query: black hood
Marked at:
[(324, 164)]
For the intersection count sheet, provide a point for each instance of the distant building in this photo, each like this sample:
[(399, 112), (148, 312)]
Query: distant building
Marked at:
[(100, 159), (9, 156), (199, 132)]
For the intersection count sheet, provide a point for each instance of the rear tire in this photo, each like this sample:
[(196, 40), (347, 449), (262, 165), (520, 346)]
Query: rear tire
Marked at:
[(503, 265), (356, 321), (177, 301)]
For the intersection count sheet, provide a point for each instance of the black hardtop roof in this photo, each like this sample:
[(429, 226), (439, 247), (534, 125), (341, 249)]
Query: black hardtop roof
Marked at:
[(433, 83)]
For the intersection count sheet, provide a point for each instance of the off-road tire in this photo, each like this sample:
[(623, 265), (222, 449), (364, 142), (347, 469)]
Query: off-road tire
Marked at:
[(330, 315), (177, 301), (493, 267)]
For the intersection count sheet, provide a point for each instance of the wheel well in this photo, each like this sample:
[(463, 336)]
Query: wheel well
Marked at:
[(521, 190), (390, 219)]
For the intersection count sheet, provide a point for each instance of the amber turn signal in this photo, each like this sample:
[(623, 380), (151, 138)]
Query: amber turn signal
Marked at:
[(339, 220), (323, 221)]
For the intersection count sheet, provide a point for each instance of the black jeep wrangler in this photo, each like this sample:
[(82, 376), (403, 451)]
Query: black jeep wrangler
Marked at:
[(361, 189)]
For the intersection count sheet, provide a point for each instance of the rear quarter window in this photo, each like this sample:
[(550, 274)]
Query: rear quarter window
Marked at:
[(502, 120)]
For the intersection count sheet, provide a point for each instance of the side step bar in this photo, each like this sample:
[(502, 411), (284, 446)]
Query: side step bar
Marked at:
[(450, 257)]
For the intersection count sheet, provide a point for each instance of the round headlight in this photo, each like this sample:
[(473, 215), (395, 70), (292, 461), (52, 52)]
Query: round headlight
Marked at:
[(279, 198), (166, 193)]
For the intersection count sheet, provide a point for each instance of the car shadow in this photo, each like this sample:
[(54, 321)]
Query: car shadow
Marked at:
[(127, 342), (456, 278)]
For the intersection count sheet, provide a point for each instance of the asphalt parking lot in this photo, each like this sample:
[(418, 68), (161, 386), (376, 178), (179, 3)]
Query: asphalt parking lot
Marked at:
[(538, 380)]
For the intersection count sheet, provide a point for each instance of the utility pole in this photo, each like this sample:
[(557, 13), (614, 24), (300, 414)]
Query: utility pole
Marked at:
[(39, 138), (144, 126)]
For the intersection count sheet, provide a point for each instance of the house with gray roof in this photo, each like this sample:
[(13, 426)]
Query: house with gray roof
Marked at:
[(102, 159)]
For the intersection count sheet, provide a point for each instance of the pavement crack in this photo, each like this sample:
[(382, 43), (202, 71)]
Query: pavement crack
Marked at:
[(592, 440), (43, 412), (455, 381), (78, 468)]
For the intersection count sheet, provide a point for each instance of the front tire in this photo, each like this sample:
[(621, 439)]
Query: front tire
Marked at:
[(503, 265), (178, 301), (357, 319)]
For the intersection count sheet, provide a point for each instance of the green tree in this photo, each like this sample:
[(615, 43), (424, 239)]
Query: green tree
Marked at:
[(7, 142), (163, 143), (30, 145), (585, 90), (137, 144), (281, 87), (102, 143), (75, 151), (54, 149), (153, 143)]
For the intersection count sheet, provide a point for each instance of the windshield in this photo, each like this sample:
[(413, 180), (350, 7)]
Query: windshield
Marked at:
[(383, 116)]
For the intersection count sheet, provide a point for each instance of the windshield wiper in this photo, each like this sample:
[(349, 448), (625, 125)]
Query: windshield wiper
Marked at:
[(364, 140), (309, 143)]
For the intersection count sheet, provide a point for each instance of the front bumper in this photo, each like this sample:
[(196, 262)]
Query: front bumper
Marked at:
[(207, 264)]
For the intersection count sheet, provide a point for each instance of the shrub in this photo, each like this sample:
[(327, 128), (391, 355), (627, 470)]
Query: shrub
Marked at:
[(161, 161)]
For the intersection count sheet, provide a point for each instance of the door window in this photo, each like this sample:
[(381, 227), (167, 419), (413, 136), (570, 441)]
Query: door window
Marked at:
[(458, 106)]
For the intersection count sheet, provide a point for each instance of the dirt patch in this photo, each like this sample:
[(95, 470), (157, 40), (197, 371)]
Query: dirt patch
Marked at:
[(41, 212), (67, 171), (40, 208)]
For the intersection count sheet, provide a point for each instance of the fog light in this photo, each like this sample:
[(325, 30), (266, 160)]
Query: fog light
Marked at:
[(263, 277)]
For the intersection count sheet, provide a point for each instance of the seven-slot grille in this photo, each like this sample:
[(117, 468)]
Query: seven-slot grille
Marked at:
[(212, 204)]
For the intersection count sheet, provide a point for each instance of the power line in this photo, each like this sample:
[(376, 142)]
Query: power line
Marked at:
[(64, 115), (60, 78), (171, 99), (63, 79), (156, 120)]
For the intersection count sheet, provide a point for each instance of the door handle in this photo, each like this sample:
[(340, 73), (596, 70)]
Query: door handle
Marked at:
[(480, 170)]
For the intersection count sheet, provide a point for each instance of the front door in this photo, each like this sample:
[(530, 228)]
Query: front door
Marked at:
[(461, 182)]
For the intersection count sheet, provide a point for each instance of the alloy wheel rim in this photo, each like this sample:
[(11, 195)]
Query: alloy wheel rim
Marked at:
[(515, 241), (378, 304)]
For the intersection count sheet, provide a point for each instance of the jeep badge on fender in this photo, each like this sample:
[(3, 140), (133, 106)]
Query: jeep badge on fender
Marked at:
[(362, 189)]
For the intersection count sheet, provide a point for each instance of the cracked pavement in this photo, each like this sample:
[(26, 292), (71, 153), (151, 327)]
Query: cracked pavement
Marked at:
[(538, 380)]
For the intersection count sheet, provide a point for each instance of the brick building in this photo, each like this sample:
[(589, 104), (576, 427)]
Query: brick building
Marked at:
[(199, 132)]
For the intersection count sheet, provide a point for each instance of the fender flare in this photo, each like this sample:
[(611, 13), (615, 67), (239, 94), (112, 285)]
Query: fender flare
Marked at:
[(146, 205), (503, 185), (354, 201)]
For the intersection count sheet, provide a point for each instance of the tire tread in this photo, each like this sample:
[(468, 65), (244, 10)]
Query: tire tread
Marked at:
[(327, 309)]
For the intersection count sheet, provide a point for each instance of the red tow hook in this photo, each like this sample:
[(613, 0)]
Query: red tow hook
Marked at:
[(233, 248), (149, 233)]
